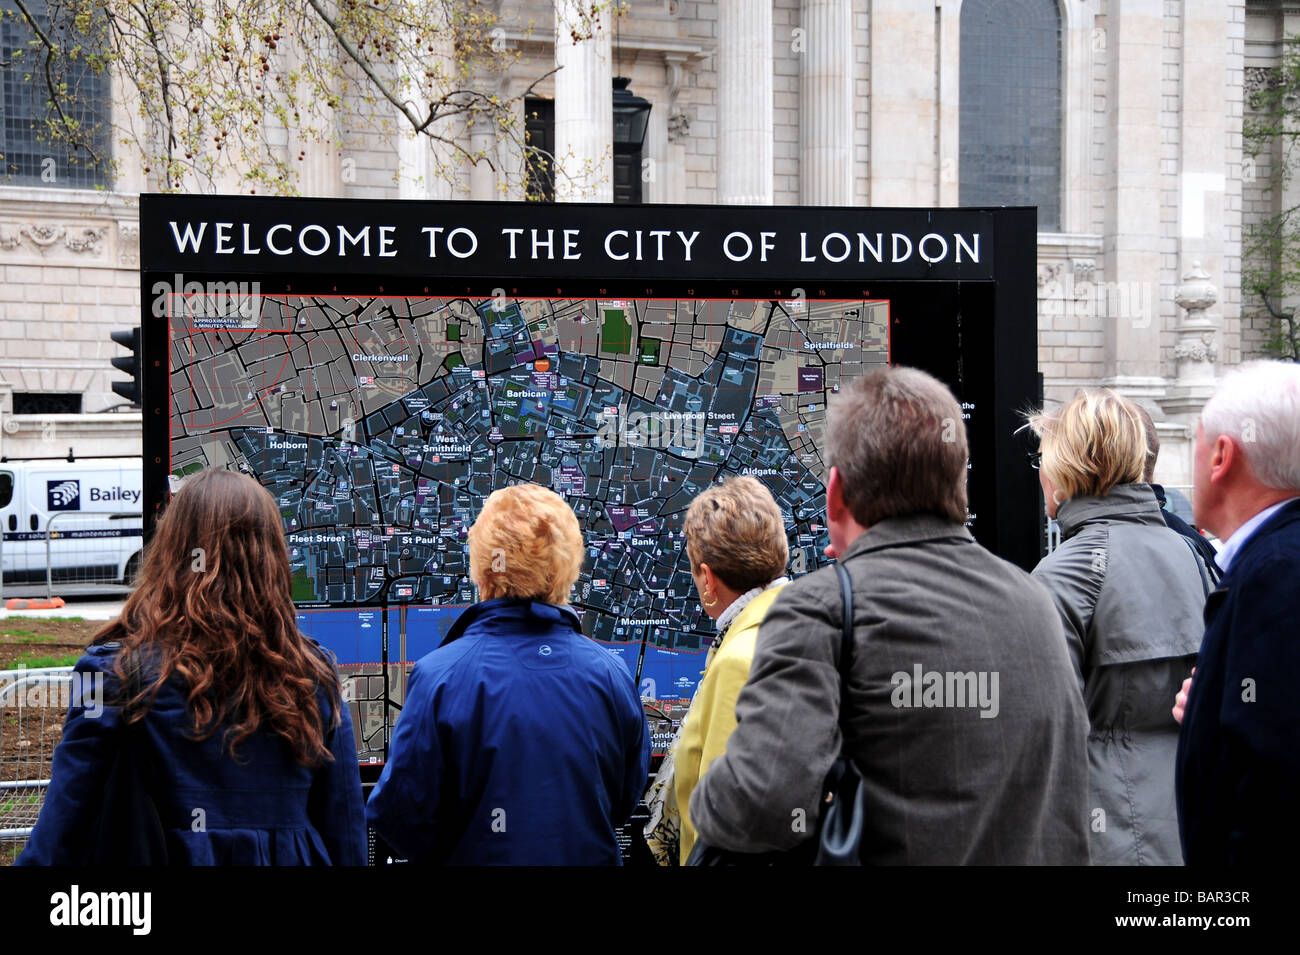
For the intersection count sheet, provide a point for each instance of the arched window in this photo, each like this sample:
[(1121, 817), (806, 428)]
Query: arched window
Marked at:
[(1011, 106)]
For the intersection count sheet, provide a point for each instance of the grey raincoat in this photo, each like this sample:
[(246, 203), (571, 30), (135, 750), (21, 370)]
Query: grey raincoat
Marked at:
[(1131, 593)]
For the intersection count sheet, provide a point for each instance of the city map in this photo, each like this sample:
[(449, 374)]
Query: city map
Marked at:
[(380, 425)]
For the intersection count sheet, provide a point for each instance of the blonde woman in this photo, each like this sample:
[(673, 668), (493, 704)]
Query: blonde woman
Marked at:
[(1130, 592), (521, 742), (736, 544)]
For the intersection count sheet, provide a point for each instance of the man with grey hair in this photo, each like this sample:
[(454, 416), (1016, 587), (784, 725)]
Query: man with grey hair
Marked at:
[(1238, 768), (962, 710)]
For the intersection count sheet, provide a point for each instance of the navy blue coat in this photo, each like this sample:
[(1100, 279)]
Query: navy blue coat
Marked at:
[(521, 742), (1238, 764), (266, 809)]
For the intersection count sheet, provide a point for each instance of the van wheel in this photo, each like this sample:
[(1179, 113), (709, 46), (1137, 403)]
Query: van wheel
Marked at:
[(132, 568)]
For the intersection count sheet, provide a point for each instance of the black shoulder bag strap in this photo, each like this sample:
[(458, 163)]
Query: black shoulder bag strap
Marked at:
[(839, 834), (840, 825)]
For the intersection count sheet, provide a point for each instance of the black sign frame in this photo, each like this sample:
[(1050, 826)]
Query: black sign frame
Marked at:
[(944, 298)]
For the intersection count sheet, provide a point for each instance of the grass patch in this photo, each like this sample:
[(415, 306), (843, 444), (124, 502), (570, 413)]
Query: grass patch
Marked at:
[(28, 621), (37, 638), (18, 801), (33, 661)]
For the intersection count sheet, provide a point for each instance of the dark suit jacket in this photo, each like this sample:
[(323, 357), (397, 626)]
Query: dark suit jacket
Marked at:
[(1176, 523), (953, 775), (1238, 766)]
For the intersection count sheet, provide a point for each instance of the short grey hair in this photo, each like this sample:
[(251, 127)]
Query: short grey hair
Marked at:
[(1257, 404), (897, 438)]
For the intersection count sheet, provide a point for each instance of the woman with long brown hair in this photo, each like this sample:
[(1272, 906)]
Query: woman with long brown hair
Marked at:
[(232, 719)]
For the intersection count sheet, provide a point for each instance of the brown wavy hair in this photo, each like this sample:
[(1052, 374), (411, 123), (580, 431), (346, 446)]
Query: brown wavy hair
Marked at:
[(213, 606)]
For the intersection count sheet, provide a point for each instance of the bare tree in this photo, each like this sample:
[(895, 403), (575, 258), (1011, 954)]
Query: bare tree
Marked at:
[(211, 87)]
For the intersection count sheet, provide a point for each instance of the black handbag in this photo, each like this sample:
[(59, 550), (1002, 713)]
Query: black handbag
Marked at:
[(129, 830), (838, 839)]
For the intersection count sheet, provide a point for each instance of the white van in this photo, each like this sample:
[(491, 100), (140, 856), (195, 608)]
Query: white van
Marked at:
[(90, 509)]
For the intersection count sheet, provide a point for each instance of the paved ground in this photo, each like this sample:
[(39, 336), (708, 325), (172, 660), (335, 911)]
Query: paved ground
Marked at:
[(88, 608)]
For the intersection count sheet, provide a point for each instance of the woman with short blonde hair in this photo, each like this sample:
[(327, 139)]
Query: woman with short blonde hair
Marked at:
[(1130, 593), (737, 547), (525, 544), (735, 532), (521, 742), (1092, 444)]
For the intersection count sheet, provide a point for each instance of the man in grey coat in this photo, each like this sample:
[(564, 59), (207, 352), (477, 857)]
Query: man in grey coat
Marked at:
[(962, 712)]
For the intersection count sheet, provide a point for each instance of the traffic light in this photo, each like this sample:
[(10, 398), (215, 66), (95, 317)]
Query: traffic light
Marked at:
[(130, 390)]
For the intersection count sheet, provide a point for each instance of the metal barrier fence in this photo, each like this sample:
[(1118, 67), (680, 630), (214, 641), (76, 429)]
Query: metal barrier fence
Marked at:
[(33, 704), (77, 552)]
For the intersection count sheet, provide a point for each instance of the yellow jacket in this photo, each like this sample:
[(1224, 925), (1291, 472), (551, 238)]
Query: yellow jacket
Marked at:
[(712, 716)]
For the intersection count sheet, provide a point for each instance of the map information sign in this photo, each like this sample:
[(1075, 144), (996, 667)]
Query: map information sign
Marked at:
[(381, 424), (381, 366)]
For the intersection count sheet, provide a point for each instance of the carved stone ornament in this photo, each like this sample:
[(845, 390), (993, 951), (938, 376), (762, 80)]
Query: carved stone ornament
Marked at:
[(42, 236), (1084, 269), (1198, 349), (128, 243), (1259, 78), (679, 126), (1196, 292), (45, 236), (85, 240), (1048, 274)]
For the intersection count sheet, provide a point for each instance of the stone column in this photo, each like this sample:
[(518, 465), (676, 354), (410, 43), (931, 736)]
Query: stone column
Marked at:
[(1197, 349), (482, 142), (744, 63), (948, 101), (422, 161), (584, 106), (826, 103), (413, 166), (904, 104), (1195, 354), (1128, 305)]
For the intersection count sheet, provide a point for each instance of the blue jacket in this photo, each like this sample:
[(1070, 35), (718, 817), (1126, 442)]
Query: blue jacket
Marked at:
[(266, 809), (521, 742), (1238, 764)]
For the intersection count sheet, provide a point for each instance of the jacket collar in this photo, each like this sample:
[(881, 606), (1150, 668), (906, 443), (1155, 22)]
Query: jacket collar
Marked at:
[(906, 529), (754, 611), (1125, 504), (1288, 514), (512, 609)]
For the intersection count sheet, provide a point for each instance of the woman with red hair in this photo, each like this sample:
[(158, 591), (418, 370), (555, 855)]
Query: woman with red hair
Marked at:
[(233, 719)]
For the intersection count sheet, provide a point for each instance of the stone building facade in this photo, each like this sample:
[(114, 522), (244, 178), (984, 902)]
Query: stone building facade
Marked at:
[(1134, 109)]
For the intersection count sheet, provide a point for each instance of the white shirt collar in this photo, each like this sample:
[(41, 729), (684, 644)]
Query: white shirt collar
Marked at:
[(1245, 532)]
